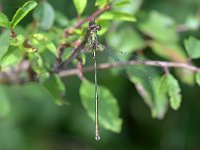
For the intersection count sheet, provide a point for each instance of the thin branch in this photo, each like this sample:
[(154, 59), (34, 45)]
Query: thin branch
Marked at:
[(162, 64), (96, 13)]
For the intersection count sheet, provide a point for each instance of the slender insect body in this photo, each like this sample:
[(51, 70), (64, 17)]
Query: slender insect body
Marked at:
[(94, 46)]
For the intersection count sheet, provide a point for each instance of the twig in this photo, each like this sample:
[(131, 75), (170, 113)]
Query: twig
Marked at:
[(163, 64), (74, 54), (80, 23)]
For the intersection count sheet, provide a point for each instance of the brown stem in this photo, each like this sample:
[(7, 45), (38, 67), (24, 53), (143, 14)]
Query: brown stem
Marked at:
[(163, 64)]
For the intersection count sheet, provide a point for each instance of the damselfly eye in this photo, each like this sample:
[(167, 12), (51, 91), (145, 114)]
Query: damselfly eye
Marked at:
[(91, 23)]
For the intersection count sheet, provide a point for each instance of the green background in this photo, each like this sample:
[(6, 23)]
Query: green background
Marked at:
[(35, 122)]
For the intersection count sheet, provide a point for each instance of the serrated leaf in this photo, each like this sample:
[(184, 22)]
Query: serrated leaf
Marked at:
[(55, 88), (108, 108), (22, 12), (44, 15), (192, 46), (80, 6), (117, 16), (173, 92), (17, 40), (198, 78), (4, 22), (12, 57), (4, 104)]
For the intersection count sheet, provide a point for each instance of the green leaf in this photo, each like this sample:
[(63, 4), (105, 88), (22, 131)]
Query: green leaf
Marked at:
[(121, 39), (55, 88), (61, 19), (4, 42), (22, 12), (44, 15), (198, 78), (147, 81), (159, 26), (43, 40), (128, 6), (186, 76), (45, 56), (4, 104), (192, 22), (117, 16), (169, 50), (122, 3), (108, 107), (4, 22), (192, 46), (102, 3), (12, 57), (173, 92), (38, 65), (17, 40), (80, 6)]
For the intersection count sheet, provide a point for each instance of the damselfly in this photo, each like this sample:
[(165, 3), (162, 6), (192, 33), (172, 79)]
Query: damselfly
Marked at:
[(138, 68)]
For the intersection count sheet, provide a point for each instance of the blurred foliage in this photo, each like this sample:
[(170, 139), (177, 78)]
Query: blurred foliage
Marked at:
[(42, 111)]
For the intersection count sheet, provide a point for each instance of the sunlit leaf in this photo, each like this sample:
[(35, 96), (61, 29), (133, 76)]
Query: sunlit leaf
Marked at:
[(117, 16), (4, 22), (55, 88), (22, 12), (12, 57), (17, 40), (192, 46), (43, 40), (80, 6), (4, 104), (102, 3), (122, 3), (44, 15), (108, 107)]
